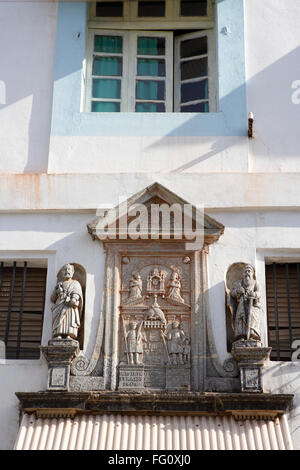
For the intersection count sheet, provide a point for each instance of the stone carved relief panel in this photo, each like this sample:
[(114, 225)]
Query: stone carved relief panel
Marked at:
[(155, 322)]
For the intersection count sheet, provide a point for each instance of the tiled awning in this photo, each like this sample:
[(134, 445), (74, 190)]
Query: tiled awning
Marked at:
[(140, 432)]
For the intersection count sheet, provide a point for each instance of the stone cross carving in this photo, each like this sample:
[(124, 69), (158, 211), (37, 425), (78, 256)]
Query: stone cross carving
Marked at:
[(247, 313), (68, 301)]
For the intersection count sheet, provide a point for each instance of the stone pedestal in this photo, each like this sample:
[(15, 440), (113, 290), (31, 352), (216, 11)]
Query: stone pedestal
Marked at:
[(59, 354), (250, 356)]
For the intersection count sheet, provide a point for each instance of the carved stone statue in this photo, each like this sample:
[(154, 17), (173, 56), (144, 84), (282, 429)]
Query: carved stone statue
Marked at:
[(134, 338), (135, 288), (174, 292), (177, 339), (246, 323), (68, 301)]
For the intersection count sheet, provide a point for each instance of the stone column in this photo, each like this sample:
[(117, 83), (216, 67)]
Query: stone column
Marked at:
[(250, 356), (59, 353)]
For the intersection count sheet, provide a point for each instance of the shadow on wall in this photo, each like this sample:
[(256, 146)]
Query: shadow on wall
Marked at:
[(276, 107), (270, 95), (26, 74)]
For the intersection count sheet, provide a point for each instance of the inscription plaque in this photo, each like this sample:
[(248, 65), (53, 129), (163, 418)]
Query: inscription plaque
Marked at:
[(131, 377)]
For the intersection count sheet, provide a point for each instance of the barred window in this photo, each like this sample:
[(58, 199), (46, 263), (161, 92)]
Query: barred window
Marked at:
[(283, 308), (22, 299)]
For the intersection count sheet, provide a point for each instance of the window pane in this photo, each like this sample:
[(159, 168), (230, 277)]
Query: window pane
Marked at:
[(194, 91), (108, 44), (107, 66), (106, 88), (105, 107), (193, 7), (151, 46), (195, 108), (109, 9), (152, 67), (150, 107), (151, 8), (193, 47), (150, 90), (194, 68)]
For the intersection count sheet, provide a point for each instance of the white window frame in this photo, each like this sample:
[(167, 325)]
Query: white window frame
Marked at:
[(89, 69), (211, 69), (168, 79), (129, 68), (170, 20), (130, 23)]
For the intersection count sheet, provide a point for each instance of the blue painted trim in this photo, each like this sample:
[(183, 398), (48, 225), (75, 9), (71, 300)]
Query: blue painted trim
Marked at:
[(230, 120)]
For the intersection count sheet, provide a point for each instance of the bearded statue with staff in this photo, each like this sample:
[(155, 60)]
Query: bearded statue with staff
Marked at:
[(68, 302), (246, 319)]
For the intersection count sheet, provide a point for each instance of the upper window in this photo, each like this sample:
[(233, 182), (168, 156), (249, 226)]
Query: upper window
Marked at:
[(151, 56), (22, 298), (283, 308)]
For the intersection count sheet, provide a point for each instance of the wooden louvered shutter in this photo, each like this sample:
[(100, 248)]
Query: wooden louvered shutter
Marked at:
[(22, 299), (283, 308)]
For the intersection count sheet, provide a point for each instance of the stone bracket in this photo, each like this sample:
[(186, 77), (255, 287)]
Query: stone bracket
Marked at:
[(59, 355), (250, 359)]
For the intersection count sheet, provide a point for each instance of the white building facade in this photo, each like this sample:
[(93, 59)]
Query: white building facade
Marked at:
[(82, 130)]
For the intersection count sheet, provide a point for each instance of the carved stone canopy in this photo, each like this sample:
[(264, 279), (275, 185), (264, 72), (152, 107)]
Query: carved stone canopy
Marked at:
[(143, 206)]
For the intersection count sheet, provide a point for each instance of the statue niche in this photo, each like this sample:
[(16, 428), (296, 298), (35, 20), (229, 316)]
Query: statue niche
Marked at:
[(68, 300), (242, 306)]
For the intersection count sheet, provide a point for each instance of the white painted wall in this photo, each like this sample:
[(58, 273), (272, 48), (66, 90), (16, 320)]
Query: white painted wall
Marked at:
[(27, 41), (220, 179), (26, 73), (166, 154), (272, 57)]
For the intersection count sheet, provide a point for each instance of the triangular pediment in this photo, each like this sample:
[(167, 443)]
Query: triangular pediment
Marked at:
[(155, 213)]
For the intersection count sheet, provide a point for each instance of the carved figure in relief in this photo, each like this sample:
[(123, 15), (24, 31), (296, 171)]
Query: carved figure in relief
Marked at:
[(135, 288), (247, 314), (68, 305), (174, 292), (176, 338), (155, 312), (134, 338)]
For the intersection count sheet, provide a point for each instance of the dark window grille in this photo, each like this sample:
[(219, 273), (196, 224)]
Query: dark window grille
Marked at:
[(109, 9), (22, 300), (193, 7), (283, 308)]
